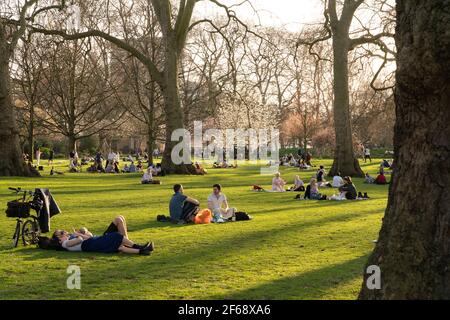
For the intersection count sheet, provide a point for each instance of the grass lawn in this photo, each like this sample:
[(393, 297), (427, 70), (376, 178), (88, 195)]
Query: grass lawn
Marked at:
[(291, 250)]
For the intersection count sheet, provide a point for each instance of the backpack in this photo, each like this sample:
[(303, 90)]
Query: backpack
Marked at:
[(242, 216)]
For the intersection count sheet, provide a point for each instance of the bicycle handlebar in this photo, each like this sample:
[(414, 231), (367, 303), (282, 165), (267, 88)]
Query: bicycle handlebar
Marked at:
[(20, 190)]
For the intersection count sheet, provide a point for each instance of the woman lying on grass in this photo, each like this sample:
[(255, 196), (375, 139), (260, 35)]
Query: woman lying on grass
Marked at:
[(115, 239)]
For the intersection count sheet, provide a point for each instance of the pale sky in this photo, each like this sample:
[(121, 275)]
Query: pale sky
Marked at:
[(289, 13)]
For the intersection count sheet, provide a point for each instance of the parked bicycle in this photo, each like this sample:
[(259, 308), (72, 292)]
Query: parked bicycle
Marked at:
[(27, 226)]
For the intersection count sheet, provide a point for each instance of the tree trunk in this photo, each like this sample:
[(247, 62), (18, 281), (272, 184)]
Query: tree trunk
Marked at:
[(345, 161), (173, 111), (72, 143), (31, 134), (11, 160), (413, 250)]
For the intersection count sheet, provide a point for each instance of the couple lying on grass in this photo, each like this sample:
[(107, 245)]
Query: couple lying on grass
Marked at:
[(115, 239), (184, 209)]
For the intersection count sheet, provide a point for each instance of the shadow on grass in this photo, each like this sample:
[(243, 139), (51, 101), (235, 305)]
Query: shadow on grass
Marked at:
[(317, 280), (194, 257)]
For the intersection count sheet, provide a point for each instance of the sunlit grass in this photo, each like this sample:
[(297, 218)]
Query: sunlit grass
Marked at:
[(291, 250)]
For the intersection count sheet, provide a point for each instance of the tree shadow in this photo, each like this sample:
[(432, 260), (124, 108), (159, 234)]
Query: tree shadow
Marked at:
[(297, 287)]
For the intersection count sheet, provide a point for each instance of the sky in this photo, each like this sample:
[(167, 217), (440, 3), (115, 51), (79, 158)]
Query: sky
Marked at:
[(289, 13)]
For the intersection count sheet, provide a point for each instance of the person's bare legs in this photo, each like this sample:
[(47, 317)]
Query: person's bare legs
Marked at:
[(127, 242), (121, 225)]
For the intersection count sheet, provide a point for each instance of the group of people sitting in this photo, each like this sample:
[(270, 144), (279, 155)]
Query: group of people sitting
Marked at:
[(152, 171), (184, 209), (347, 189), (301, 161), (381, 178)]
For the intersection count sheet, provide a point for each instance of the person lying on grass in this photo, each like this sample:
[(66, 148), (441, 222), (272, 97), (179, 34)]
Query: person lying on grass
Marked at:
[(182, 208), (115, 239), (218, 204)]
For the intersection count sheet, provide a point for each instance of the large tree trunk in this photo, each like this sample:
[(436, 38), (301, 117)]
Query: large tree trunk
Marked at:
[(345, 161), (173, 111), (413, 250), (11, 160)]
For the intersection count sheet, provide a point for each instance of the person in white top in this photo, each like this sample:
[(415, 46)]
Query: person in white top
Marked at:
[(337, 181), (218, 203), (299, 185), (147, 178), (111, 157), (367, 155), (278, 183)]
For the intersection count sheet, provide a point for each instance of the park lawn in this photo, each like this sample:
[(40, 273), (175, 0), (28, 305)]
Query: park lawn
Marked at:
[(291, 250)]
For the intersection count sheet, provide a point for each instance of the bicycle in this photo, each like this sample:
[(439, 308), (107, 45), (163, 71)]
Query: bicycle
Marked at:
[(27, 226)]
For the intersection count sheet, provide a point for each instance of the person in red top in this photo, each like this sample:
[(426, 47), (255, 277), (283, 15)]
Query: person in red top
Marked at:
[(381, 179)]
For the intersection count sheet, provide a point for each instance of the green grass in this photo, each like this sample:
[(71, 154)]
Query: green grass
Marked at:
[(291, 250)]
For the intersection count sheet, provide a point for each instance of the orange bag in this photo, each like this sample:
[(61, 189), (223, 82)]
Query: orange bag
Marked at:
[(203, 217)]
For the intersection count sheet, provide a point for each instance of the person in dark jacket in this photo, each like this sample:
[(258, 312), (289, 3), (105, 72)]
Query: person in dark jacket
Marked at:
[(48, 210), (349, 189)]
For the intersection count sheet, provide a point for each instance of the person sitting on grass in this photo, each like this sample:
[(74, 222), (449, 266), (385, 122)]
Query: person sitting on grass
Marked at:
[(132, 168), (109, 168), (386, 164), (126, 169), (218, 204), (115, 239), (381, 179), (312, 190), (199, 169), (369, 179), (320, 176), (92, 168), (337, 180), (299, 185), (349, 189), (116, 167), (182, 208), (147, 178), (139, 166), (278, 183)]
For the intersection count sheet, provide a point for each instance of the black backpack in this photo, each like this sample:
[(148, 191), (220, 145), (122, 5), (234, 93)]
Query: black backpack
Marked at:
[(242, 216)]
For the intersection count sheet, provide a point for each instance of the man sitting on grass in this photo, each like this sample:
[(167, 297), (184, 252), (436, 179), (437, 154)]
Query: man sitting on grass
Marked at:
[(182, 208), (218, 204)]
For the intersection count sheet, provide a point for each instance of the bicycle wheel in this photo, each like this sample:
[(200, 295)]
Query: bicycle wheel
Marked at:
[(30, 232), (16, 235)]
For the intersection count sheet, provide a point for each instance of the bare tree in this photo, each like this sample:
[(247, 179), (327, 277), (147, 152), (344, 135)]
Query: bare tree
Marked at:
[(80, 95), (14, 17), (174, 25), (338, 27)]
